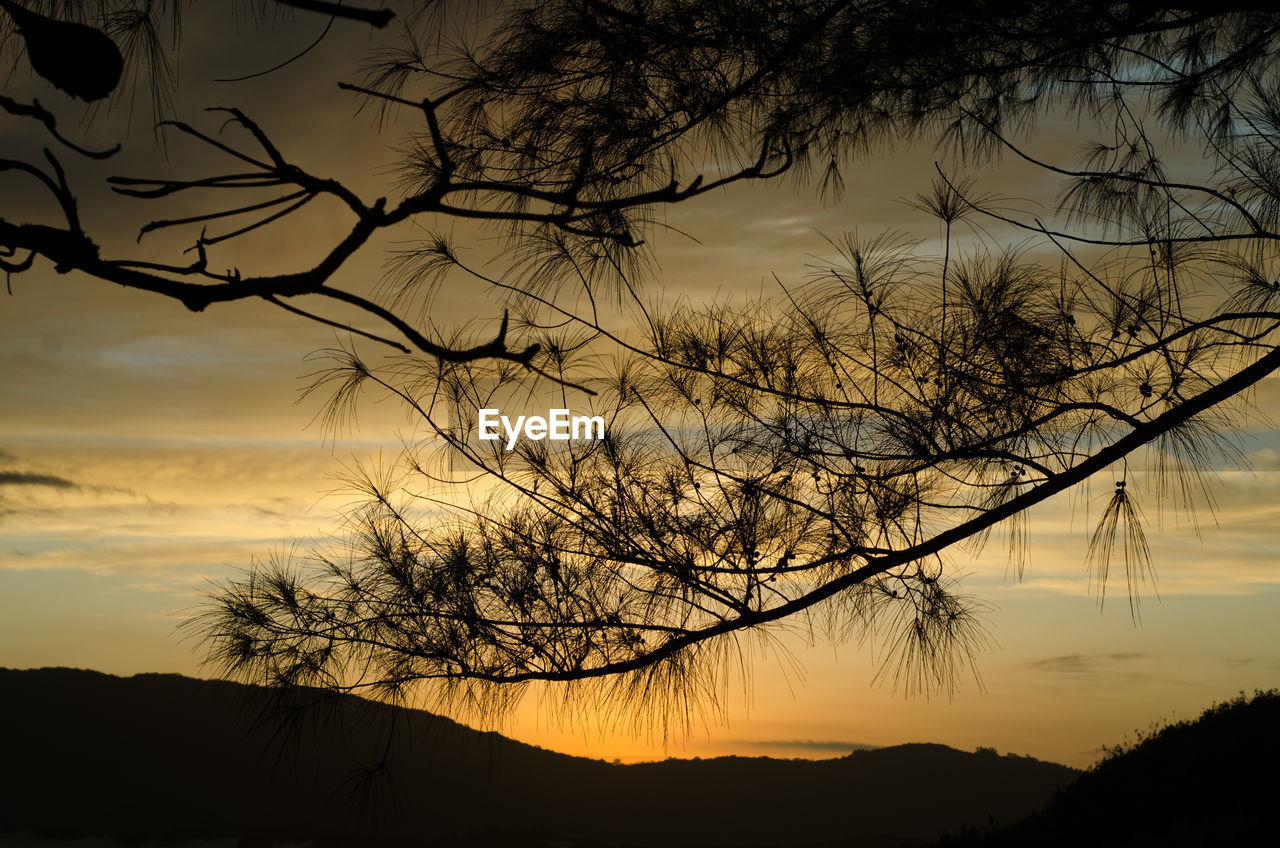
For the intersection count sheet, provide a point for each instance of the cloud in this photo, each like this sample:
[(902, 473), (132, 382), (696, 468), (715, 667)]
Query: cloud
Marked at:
[(23, 478), (1266, 459), (1085, 663), (10, 477), (1105, 671), (1240, 662)]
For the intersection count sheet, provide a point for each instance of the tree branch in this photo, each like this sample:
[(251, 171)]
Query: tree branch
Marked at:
[(374, 17)]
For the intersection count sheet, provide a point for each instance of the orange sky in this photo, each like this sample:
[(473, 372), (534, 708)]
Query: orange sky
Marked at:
[(173, 451)]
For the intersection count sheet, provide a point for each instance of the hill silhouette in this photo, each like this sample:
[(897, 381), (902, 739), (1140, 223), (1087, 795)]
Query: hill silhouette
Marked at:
[(172, 758), (1212, 781)]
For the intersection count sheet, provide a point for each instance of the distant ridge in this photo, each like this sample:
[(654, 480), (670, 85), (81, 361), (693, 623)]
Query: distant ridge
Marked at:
[(1214, 781), (172, 758)]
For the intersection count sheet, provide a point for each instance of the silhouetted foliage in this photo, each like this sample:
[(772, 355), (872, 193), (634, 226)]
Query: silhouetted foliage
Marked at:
[(1209, 781), (813, 460), (810, 461)]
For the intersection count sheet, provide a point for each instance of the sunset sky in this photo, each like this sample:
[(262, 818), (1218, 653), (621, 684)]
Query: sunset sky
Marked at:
[(146, 450)]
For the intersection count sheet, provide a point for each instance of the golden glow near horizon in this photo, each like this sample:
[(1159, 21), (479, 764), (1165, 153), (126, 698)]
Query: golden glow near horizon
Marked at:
[(146, 450)]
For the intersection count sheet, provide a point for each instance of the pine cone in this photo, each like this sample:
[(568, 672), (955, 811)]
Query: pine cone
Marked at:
[(76, 58)]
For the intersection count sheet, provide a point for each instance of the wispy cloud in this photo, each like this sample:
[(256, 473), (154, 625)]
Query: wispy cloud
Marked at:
[(191, 510), (1267, 459), (1104, 671), (1085, 663), (25, 478)]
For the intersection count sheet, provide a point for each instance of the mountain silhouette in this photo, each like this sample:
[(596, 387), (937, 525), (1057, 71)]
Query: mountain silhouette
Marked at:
[(171, 758), (1212, 781)]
